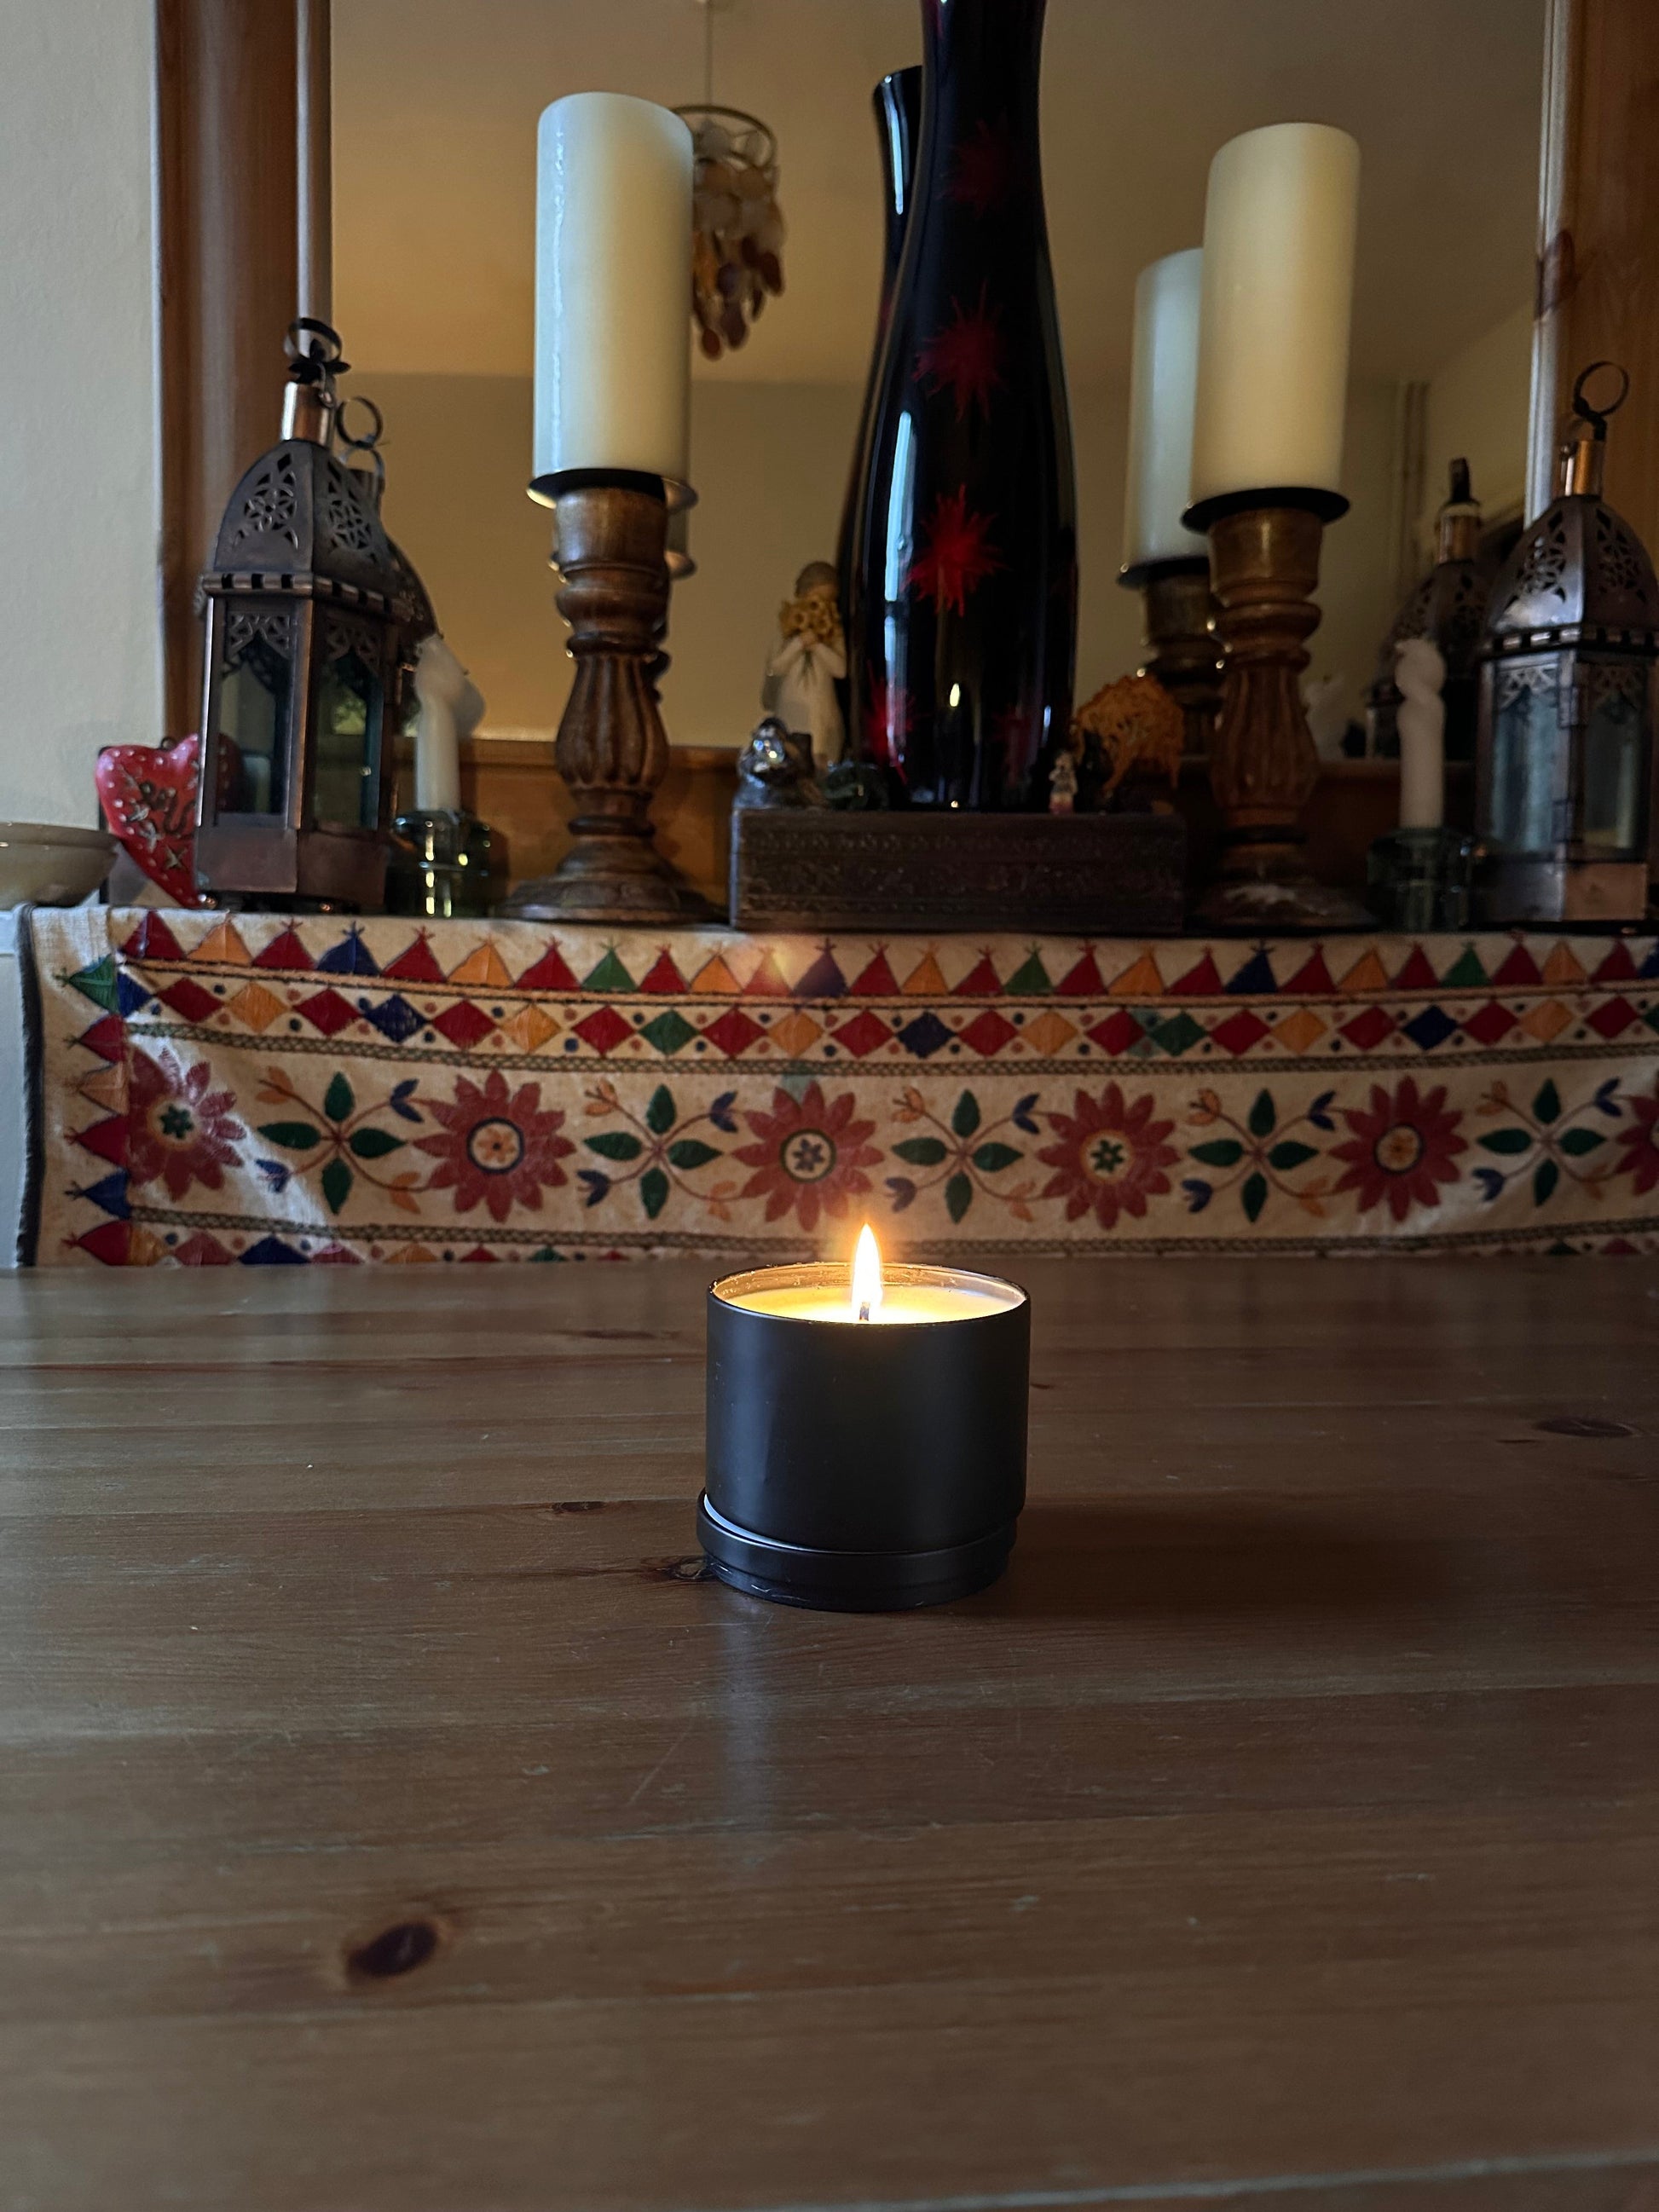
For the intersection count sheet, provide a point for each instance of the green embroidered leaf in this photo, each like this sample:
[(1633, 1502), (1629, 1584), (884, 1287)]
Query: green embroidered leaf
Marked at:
[(653, 1191), (966, 1120), (1290, 1154), (1508, 1140), (337, 1099), (992, 1158), (1219, 1152), (692, 1153), (1262, 1114), (293, 1136), (1548, 1105), (659, 1115), (373, 1144), (336, 1183), (1576, 1142), (958, 1196), (615, 1144), (922, 1151), (1255, 1194), (1545, 1178)]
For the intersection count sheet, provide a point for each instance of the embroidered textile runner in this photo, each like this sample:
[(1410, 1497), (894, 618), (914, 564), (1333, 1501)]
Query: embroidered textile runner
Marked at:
[(210, 1090)]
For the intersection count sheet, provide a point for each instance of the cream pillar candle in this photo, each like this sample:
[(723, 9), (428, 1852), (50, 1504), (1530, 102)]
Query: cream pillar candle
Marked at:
[(1277, 292), (613, 263), (1163, 384), (1421, 674)]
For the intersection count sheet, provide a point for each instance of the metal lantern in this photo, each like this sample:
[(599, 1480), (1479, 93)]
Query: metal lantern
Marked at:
[(1449, 607), (313, 618), (1568, 695)]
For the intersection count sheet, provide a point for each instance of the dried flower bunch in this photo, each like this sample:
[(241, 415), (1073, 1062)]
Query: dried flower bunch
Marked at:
[(738, 230)]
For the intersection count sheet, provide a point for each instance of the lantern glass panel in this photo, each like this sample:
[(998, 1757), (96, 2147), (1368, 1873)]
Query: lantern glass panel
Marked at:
[(256, 686), (1525, 722), (1612, 809), (350, 707)]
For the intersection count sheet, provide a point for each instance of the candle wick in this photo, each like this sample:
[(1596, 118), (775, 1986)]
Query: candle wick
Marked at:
[(863, 1310)]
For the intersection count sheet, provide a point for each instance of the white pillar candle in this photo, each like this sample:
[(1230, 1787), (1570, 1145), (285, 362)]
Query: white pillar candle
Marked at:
[(1162, 385), (613, 275), (1421, 674), (1278, 293)]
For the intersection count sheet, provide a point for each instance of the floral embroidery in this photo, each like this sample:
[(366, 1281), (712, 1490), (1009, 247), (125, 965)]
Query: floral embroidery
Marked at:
[(178, 1132), (498, 1149), (808, 1157), (1402, 1148), (1110, 1159), (1641, 1144)]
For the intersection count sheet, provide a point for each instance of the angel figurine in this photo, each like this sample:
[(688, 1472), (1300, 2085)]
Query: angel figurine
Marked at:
[(810, 659)]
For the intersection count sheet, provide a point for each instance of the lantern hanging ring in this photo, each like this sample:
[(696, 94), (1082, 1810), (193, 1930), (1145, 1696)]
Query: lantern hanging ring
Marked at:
[(1597, 417)]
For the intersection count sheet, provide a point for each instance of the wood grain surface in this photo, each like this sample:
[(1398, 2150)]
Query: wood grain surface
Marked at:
[(389, 1816)]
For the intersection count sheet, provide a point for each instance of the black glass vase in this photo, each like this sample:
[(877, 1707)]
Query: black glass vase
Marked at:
[(963, 617), (898, 104)]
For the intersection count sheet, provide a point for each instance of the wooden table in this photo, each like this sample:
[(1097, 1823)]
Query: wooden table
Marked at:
[(391, 1817)]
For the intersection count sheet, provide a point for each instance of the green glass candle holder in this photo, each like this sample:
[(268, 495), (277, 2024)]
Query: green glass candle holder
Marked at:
[(443, 865), (1420, 879)]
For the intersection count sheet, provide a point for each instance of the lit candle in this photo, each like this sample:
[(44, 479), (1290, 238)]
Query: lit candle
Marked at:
[(613, 273), (1277, 301), (866, 1431), (1163, 384)]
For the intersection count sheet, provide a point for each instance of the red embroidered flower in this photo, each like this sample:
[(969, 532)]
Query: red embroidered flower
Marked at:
[(957, 555), (178, 1130), (1110, 1159), (1401, 1149), (499, 1149), (1641, 1144), (810, 1156), (965, 357)]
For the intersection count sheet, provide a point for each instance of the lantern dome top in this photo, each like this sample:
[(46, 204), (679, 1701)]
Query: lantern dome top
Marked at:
[(301, 520), (1580, 575)]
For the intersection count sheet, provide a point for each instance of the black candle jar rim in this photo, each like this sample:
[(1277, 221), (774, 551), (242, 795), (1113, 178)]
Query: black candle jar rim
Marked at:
[(837, 1274)]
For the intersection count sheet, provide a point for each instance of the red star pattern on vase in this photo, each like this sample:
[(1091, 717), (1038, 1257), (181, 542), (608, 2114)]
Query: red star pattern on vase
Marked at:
[(1641, 1144), (1110, 1157), (178, 1130), (887, 723), (965, 357), (1016, 733), (809, 1156), (983, 170), (497, 1147), (1401, 1148), (956, 555)]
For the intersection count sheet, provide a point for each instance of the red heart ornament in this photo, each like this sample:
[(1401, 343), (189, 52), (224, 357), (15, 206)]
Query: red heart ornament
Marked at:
[(148, 796)]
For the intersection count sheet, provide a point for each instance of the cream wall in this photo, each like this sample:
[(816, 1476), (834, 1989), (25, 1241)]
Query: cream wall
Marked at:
[(771, 462), (78, 499), (1478, 407)]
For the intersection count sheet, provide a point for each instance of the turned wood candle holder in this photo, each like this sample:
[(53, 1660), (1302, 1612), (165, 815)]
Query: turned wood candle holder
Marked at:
[(1182, 651), (1264, 566), (610, 536)]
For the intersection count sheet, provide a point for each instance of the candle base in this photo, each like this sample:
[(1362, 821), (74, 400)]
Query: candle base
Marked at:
[(1263, 766), (611, 749), (1182, 648), (1420, 879), (439, 868), (848, 1581)]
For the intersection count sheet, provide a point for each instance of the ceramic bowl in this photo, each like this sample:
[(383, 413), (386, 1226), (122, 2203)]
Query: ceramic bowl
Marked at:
[(52, 864)]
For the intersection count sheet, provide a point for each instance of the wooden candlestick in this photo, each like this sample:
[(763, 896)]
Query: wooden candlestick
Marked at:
[(1264, 563), (611, 537), (1182, 651)]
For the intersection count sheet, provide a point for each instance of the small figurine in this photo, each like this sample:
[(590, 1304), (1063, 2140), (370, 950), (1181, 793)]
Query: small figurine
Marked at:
[(1062, 785), (775, 768), (810, 659), (1325, 703), (1134, 730)]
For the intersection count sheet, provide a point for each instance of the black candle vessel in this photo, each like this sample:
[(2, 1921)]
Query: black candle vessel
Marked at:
[(866, 1446)]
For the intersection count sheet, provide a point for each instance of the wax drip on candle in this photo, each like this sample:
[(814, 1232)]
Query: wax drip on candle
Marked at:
[(866, 1274)]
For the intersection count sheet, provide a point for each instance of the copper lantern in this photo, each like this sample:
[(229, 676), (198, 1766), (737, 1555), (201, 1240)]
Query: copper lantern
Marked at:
[(312, 621), (1568, 694)]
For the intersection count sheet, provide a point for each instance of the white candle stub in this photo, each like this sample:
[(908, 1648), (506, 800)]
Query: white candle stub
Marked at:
[(1280, 224), (1421, 674), (870, 1296), (1162, 385)]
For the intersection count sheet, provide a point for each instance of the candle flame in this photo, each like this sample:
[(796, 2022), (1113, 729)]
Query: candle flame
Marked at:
[(866, 1274)]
